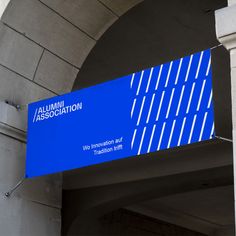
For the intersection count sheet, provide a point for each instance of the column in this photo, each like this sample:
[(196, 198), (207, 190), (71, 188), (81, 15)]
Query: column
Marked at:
[(226, 34)]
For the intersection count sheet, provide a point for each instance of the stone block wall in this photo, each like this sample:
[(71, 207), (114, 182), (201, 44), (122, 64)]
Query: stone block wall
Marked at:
[(43, 44)]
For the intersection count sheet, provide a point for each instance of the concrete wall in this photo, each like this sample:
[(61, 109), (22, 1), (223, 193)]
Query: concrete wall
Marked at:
[(43, 44), (231, 2), (127, 223)]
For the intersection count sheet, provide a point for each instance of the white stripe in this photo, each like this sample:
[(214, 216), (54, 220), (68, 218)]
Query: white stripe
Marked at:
[(212, 130), (178, 72), (208, 67), (150, 109), (132, 144), (159, 76), (168, 75), (209, 102), (140, 81), (35, 113), (160, 140), (199, 64), (141, 143), (203, 126), (200, 98), (160, 105), (189, 66), (149, 80), (180, 100), (141, 110), (190, 98), (171, 98), (181, 132), (192, 129), (132, 111), (150, 143), (132, 80), (171, 133)]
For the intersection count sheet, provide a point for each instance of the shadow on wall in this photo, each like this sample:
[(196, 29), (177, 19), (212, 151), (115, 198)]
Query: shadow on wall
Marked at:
[(124, 222)]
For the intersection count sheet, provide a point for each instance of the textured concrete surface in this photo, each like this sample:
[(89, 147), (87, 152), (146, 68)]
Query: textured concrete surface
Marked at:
[(26, 208), (13, 86), (90, 16), (226, 21), (120, 6), (11, 117), (231, 2), (49, 30), (233, 58), (18, 53), (75, 23), (26, 218), (233, 89), (45, 190), (55, 74), (11, 89)]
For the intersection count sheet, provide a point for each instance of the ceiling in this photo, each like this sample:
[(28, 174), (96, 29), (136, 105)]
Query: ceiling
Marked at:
[(202, 211)]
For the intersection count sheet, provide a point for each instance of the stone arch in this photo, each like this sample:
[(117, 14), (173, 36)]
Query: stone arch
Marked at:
[(43, 44), (60, 33)]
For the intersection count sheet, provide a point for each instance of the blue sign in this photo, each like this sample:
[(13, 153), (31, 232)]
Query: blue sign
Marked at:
[(155, 109)]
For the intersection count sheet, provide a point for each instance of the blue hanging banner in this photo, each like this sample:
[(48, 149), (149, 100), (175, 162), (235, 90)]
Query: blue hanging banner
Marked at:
[(155, 109)]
